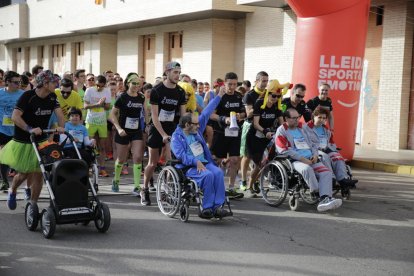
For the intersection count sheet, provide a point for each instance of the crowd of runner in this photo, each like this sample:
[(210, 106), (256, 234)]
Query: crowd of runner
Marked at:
[(128, 118)]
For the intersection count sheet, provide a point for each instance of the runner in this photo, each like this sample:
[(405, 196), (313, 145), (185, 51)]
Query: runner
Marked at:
[(8, 98), (128, 117), (97, 100), (167, 104), (31, 115)]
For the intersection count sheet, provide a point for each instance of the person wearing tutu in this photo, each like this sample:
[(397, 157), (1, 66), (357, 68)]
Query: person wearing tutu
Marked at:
[(30, 115)]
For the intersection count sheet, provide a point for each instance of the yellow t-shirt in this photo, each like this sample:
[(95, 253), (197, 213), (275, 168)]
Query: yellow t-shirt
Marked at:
[(74, 100)]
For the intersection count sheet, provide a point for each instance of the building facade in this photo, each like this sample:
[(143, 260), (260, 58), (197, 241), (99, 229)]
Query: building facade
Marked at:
[(210, 38)]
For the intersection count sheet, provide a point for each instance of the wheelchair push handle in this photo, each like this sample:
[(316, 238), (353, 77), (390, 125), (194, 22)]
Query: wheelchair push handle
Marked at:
[(50, 131)]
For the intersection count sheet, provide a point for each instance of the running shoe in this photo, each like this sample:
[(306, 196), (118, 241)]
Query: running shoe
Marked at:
[(329, 204), (221, 213), (243, 186), (27, 193), (115, 186), (12, 173), (206, 213), (250, 193), (11, 201), (4, 187), (256, 187), (231, 193), (152, 187), (136, 192), (145, 197)]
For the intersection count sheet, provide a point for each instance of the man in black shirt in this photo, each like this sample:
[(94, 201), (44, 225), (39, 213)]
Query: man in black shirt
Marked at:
[(167, 105), (296, 101), (226, 142), (262, 78), (31, 115), (323, 101)]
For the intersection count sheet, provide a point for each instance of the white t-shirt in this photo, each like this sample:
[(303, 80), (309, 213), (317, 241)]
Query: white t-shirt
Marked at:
[(97, 115)]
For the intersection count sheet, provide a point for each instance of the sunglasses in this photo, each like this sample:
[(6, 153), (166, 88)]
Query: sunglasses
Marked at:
[(299, 96), (100, 85), (66, 92), (135, 83), (196, 124), (275, 96), (91, 79), (16, 82)]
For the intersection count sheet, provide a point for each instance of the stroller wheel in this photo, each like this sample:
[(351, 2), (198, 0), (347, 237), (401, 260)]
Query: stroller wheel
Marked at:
[(31, 215), (48, 223), (102, 217)]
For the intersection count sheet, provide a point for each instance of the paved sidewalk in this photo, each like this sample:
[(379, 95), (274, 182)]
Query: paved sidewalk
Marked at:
[(399, 162)]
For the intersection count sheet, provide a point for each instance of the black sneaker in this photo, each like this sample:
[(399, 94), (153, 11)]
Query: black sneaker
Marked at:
[(206, 214), (221, 213), (256, 187), (145, 197), (231, 193), (152, 187), (250, 193), (4, 187)]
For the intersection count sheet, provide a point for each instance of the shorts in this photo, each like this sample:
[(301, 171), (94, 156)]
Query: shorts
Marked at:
[(4, 139), (100, 129), (109, 125), (154, 137), (256, 146), (223, 145), (125, 140), (245, 130)]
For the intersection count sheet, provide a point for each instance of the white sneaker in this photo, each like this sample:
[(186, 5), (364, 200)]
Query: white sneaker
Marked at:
[(337, 202), (326, 204)]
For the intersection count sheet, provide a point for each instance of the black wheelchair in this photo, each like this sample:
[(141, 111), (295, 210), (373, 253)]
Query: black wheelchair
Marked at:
[(176, 192), (278, 179)]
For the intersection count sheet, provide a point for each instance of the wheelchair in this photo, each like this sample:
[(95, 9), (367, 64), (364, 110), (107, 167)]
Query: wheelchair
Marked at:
[(176, 192), (279, 179)]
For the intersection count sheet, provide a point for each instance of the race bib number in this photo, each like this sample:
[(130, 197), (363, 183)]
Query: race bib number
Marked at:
[(323, 142), (196, 148), (7, 121), (231, 133), (300, 143), (166, 116), (260, 134), (131, 123)]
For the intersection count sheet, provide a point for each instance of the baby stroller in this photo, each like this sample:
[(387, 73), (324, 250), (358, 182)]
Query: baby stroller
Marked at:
[(73, 198)]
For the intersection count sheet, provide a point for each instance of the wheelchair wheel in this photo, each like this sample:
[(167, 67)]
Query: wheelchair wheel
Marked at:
[(102, 217), (48, 223), (184, 212), (168, 191), (31, 215), (273, 183), (293, 203), (307, 196)]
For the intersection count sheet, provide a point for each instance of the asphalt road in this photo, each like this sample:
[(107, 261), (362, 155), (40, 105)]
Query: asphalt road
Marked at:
[(372, 234)]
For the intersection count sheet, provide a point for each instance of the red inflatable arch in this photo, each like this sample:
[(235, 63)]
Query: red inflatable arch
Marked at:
[(329, 47)]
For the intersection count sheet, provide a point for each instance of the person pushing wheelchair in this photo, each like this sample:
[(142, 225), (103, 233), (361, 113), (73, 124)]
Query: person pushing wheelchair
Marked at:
[(189, 146)]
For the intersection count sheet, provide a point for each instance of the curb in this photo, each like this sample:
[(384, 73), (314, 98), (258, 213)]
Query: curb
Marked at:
[(384, 167)]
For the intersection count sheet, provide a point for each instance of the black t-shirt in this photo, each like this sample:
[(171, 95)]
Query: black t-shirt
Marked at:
[(268, 115), (36, 113), (131, 111), (229, 103), (169, 101), (250, 99), (301, 108), (313, 103)]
